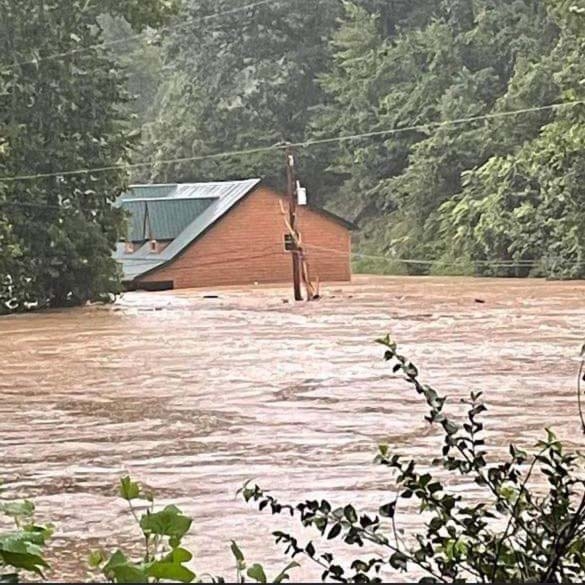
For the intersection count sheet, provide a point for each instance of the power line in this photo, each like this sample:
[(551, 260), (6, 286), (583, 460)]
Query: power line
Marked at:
[(219, 259), (216, 259), (304, 144), (532, 263), (281, 252), (58, 56)]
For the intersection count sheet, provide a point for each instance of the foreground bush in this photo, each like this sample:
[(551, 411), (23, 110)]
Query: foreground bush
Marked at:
[(164, 557), (521, 531), (528, 527), (21, 549)]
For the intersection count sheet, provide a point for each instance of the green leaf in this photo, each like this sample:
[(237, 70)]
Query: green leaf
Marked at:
[(410, 370), (550, 437), (335, 530), (29, 562), (239, 556), (18, 509), (518, 454), (170, 571), (450, 427), (283, 575), (398, 561), (129, 490), (178, 555), (388, 510), (26, 542), (257, 573), (121, 570), (168, 522), (350, 513), (96, 558)]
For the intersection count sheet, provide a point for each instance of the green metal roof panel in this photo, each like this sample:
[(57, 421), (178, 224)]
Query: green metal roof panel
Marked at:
[(166, 219), (136, 211), (181, 213), (216, 199)]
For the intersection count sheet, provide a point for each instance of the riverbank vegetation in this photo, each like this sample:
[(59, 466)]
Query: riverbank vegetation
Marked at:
[(527, 526), (64, 106), (464, 161), (462, 127)]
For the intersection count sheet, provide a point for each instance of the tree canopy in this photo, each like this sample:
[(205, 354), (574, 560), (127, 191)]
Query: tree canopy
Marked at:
[(463, 148), (300, 71), (64, 107)]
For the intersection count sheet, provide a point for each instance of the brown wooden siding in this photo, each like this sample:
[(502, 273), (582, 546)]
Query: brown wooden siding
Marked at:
[(247, 246)]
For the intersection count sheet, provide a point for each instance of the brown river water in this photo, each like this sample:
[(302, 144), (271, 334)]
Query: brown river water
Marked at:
[(194, 395)]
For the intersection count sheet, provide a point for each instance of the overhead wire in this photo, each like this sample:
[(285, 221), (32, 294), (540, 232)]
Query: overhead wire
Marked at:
[(263, 253), (299, 145), (530, 263), (219, 259), (256, 150), (137, 36), (216, 259)]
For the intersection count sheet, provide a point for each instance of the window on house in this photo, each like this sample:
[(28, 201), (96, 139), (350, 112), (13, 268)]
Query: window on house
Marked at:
[(153, 245)]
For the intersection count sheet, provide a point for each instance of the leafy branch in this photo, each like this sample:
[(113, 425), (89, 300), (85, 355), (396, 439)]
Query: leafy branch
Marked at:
[(543, 534)]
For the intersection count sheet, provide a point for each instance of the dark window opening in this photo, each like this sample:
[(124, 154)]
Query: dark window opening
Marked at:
[(289, 243)]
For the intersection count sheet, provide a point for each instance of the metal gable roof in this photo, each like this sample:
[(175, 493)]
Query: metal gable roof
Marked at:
[(161, 219), (148, 192), (180, 213), (219, 198)]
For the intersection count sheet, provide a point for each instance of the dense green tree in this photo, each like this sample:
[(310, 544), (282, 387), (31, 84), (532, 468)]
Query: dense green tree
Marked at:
[(400, 72), (526, 206), (139, 54), (236, 79), (63, 106), (463, 61)]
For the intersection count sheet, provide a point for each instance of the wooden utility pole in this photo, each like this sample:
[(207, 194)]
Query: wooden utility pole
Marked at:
[(292, 195)]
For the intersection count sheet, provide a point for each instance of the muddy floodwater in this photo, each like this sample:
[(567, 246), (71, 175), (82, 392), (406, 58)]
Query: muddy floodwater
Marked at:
[(193, 396)]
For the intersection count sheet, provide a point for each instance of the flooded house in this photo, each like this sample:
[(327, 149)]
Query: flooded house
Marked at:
[(224, 233)]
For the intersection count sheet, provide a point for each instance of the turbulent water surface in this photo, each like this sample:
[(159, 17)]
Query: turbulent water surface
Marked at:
[(194, 395)]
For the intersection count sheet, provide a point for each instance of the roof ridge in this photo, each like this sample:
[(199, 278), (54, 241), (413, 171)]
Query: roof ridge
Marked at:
[(190, 183), (167, 199), (146, 185)]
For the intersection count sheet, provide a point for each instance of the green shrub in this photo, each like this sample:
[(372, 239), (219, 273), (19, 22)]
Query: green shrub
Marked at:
[(519, 532), (22, 549), (165, 558)]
